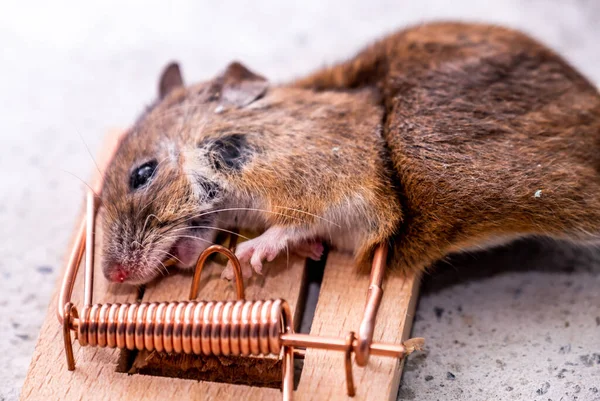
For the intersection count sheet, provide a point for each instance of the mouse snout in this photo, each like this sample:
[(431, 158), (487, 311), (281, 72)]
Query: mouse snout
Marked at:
[(117, 273)]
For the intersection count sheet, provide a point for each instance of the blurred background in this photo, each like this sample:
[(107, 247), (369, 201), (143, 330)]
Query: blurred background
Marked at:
[(70, 71)]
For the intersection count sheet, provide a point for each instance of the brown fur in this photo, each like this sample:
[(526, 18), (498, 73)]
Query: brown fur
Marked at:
[(478, 119), (441, 138)]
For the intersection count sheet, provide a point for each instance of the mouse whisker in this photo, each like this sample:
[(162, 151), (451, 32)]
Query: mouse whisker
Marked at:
[(101, 175), (164, 271), (173, 237), (146, 222), (139, 243), (156, 267), (233, 209), (210, 228), (83, 181), (90, 153), (309, 214), (98, 197), (168, 253)]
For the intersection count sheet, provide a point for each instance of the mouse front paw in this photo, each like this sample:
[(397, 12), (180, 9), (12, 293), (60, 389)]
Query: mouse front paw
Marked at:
[(264, 248), (252, 254)]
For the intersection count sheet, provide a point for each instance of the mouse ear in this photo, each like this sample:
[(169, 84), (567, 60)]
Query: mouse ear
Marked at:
[(169, 79), (238, 86)]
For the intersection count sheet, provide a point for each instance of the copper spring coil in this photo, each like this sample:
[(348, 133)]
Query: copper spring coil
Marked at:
[(209, 328)]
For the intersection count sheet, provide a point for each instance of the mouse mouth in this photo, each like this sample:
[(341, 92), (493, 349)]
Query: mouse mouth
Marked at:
[(170, 261), (171, 258), (183, 253)]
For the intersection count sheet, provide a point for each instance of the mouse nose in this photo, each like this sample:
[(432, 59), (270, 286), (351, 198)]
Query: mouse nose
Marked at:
[(117, 273)]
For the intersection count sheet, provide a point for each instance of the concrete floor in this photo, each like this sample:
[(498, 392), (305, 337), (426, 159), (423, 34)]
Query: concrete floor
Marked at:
[(69, 71), (520, 322)]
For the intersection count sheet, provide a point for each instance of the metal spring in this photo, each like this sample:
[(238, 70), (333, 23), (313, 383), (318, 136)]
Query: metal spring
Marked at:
[(210, 328)]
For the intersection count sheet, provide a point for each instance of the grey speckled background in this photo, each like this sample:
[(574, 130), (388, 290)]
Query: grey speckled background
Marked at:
[(70, 70)]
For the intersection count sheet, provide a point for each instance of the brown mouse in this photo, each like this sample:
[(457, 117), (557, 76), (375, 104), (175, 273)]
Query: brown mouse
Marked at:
[(440, 138)]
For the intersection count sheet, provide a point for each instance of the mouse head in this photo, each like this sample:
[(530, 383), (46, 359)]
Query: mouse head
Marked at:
[(157, 205)]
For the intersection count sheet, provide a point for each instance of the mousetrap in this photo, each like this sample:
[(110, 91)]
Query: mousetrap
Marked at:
[(103, 341)]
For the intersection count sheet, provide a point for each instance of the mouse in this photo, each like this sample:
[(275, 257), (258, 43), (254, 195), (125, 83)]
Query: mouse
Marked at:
[(440, 138), (305, 168)]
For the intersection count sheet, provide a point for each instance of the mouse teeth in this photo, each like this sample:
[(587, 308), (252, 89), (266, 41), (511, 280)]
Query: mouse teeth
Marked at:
[(170, 262)]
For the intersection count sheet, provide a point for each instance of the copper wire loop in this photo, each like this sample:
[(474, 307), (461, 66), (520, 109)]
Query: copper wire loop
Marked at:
[(210, 328), (235, 264)]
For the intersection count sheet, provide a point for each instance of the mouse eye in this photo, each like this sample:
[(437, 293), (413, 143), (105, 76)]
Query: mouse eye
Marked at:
[(142, 174)]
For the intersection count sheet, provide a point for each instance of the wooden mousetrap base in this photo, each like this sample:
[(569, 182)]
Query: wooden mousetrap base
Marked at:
[(106, 374)]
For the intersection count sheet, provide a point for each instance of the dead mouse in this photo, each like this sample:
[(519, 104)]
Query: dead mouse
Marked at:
[(440, 138)]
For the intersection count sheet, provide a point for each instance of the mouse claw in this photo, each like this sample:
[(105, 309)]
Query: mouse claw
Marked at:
[(256, 263), (227, 273)]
